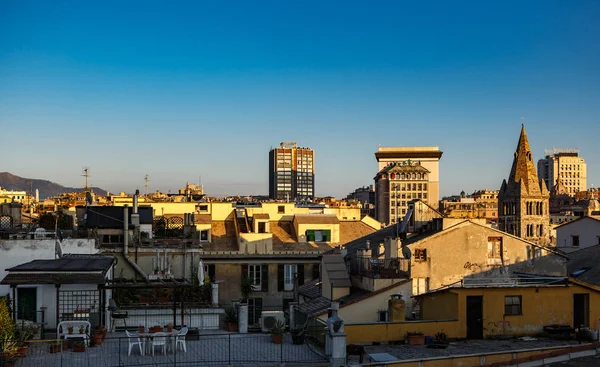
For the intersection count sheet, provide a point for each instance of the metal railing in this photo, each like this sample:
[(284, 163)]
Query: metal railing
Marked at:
[(510, 282), (203, 318), (380, 268), (200, 350)]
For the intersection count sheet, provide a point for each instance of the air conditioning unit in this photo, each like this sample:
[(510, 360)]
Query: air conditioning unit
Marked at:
[(268, 319)]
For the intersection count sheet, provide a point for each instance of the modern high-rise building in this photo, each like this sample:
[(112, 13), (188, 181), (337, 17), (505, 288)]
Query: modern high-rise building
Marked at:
[(523, 200), (566, 165), (405, 173), (291, 173)]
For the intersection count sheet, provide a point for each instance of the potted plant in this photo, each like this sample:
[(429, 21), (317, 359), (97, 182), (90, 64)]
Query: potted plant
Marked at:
[(81, 329), (169, 328), (97, 337), (440, 341), (70, 329), (415, 338), (7, 334), (156, 270), (56, 347), (142, 329), (277, 332), (79, 346), (246, 288), (231, 319)]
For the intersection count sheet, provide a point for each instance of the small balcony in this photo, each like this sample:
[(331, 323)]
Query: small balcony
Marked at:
[(393, 268)]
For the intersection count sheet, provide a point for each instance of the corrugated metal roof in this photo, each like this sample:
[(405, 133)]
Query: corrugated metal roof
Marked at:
[(53, 278)]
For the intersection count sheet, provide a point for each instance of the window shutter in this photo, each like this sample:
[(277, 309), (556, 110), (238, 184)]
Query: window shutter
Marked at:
[(280, 277), (264, 277), (300, 268), (244, 271), (212, 272)]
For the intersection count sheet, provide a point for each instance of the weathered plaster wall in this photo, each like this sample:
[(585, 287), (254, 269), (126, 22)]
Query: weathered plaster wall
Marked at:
[(462, 252)]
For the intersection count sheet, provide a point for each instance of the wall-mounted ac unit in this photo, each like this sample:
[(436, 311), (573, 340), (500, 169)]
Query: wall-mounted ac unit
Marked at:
[(270, 318)]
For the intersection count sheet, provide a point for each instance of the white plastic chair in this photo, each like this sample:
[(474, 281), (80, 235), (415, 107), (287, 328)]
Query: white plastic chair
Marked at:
[(181, 339), (132, 344), (159, 339)]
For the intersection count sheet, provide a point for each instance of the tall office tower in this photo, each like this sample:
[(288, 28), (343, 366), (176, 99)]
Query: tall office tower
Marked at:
[(291, 173), (566, 165), (523, 201), (405, 173)]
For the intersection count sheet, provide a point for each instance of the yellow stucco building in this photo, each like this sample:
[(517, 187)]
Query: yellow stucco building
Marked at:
[(487, 311)]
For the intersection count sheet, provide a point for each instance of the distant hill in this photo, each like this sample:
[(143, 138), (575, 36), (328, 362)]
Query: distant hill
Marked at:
[(47, 188)]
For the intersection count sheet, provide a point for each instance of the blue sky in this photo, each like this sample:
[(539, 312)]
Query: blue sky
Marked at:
[(181, 89)]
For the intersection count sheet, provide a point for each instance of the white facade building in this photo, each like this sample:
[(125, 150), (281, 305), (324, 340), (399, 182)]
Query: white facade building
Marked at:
[(578, 234)]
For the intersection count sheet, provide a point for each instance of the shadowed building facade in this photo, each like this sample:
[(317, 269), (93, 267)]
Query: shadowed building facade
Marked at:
[(523, 201)]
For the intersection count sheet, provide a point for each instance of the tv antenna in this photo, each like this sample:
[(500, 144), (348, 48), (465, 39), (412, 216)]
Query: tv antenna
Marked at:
[(146, 185), (86, 174)]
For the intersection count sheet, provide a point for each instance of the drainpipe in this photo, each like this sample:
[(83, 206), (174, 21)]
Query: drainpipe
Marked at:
[(135, 266)]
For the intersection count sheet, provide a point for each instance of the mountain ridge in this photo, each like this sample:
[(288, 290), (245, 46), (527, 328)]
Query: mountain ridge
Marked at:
[(47, 188)]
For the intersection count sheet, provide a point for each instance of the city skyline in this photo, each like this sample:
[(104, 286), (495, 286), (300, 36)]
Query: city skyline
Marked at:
[(208, 89)]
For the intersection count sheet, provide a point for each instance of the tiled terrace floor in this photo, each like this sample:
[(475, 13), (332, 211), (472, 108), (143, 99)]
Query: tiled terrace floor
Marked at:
[(215, 349)]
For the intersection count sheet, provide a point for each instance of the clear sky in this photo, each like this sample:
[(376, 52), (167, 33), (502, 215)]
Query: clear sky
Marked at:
[(181, 89)]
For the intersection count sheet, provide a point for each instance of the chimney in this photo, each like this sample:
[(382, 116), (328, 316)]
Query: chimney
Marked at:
[(135, 201)]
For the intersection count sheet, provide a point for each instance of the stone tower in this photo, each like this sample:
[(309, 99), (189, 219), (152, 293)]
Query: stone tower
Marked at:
[(523, 201)]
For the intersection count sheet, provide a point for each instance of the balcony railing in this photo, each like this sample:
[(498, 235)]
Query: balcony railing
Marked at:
[(380, 268)]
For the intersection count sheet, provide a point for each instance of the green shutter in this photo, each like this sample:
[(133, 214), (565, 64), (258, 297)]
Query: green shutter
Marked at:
[(310, 235)]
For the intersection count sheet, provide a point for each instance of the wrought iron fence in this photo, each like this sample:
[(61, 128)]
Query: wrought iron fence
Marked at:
[(219, 349)]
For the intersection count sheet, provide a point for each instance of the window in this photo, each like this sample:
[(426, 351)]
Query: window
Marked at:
[(382, 316), (254, 273), (203, 208), (512, 305), (575, 241), (495, 247), (281, 209), (420, 254), (289, 273), (204, 235)]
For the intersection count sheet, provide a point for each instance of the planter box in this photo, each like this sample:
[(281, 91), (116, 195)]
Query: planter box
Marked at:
[(416, 340)]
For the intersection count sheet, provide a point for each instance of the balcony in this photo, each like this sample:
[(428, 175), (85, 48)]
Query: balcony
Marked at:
[(393, 268)]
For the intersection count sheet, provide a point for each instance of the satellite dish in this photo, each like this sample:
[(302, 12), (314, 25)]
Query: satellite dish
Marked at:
[(88, 198)]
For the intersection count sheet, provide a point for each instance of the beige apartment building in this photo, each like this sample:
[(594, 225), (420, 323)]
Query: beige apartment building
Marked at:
[(404, 174), (566, 165)]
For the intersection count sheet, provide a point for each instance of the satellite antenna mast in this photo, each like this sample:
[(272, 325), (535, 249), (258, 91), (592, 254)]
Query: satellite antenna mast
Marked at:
[(86, 174), (146, 185)]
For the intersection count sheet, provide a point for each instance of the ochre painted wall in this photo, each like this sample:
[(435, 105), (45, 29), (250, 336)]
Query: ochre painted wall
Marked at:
[(440, 306), (394, 331), (541, 306)]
